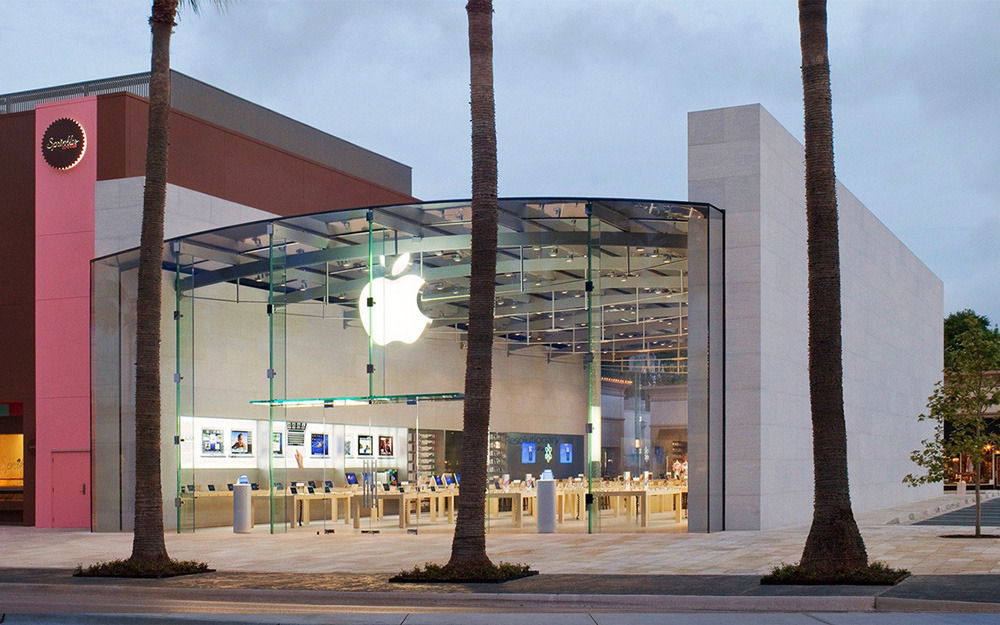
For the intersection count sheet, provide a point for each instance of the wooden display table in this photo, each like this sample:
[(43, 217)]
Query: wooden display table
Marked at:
[(301, 505), (516, 497)]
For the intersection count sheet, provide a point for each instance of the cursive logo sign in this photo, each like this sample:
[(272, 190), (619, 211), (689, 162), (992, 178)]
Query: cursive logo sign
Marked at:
[(64, 143)]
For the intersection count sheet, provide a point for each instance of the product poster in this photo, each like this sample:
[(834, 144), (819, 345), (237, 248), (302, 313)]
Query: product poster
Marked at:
[(527, 453), (566, 453), (364, 445), (211, 442), (240, 443), (321, 445), (385, 446), (277, 440), (347, 448)]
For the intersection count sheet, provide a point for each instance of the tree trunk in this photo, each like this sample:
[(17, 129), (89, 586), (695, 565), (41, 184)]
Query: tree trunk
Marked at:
[(979, 510), (148, 544), (468, 548), (834, 543)]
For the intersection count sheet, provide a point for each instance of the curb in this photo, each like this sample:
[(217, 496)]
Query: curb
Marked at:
[(901, 604), (256, 601), (76, 598)]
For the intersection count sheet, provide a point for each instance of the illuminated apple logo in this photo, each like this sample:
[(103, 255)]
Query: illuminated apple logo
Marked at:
[(395, 315)]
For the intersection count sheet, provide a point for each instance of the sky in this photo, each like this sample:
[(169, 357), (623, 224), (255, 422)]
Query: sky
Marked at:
[(592, 95)]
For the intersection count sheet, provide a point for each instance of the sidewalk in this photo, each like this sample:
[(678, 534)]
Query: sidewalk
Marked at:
[(662, 572), (889, 535)]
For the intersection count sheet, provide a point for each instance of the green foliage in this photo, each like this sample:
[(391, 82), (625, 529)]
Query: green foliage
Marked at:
[(875, 574), (490, 574), (133, 568), (962, 400), (956, 324)]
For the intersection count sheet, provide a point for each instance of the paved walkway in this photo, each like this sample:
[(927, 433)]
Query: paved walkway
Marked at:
[(303, 570), (890, 535), (966, 517)]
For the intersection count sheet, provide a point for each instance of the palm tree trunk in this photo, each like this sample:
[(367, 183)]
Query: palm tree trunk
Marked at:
[(468, 548), (148, 543), (834, 543)]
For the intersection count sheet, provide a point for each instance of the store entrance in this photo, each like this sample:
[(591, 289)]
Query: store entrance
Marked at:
[(11, 468)]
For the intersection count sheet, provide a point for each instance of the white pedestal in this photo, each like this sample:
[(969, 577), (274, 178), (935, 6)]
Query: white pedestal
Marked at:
[(546, 508), (242, 509)]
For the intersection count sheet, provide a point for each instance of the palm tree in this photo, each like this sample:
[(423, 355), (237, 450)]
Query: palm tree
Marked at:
[(834, 543), (147, 544), (468, 547)]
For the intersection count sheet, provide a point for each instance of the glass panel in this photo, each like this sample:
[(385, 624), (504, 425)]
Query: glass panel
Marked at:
[(277, 473), (105, 352), (184, 383), (283, 309)]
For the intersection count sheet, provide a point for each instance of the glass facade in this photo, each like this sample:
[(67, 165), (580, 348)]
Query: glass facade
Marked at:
[(321, 358)]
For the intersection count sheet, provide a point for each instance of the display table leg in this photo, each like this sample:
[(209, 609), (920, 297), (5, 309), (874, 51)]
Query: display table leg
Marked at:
[(517, 511), (356, 511), (451, 508), (678, 499), (432, 504)]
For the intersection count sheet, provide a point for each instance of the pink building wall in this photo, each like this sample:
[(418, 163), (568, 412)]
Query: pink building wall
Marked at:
[(64, 244)]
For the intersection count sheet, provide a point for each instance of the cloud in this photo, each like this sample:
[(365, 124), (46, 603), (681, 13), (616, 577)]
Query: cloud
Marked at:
[(592, 96)]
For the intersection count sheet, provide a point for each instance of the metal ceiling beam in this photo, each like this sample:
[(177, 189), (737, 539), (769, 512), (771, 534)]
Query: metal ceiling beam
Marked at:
[(432, 244)]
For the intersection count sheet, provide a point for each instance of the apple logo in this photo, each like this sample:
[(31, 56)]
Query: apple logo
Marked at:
[(395, 315)]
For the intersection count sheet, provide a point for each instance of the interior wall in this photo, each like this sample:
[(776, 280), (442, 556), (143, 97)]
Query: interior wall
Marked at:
[(325, 358), (742, 160)]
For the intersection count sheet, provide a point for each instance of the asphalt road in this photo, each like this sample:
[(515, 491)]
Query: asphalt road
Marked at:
[(524, 618)]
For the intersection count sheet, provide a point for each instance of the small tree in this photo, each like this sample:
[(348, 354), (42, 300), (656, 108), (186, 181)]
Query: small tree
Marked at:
[(955, 325), (971, 387)]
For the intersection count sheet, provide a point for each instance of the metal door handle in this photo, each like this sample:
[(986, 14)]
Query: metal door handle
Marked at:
[(84, 488)]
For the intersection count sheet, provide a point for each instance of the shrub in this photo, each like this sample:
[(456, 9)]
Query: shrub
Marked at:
[(132, 568), (875, 574), (489, 574)]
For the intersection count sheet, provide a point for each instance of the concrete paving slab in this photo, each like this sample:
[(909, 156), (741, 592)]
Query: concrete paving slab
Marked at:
[(918, 548), (908, 619), (718, 618), (498, 619)]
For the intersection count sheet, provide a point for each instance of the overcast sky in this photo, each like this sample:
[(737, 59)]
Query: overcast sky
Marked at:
[(592, 96)]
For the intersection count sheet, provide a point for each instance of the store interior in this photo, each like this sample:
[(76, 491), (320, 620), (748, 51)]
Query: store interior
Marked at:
[(321, 360)]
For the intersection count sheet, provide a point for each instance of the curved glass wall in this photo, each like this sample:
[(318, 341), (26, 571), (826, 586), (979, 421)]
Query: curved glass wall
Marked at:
[(321, 358)]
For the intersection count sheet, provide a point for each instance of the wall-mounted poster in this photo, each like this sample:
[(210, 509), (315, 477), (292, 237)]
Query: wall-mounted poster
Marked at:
[(211, 442), (277, 443), (528, 453), (364, 445), (385, 446), (348, 448), (321, 445), (240, 443), (566, 453)]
